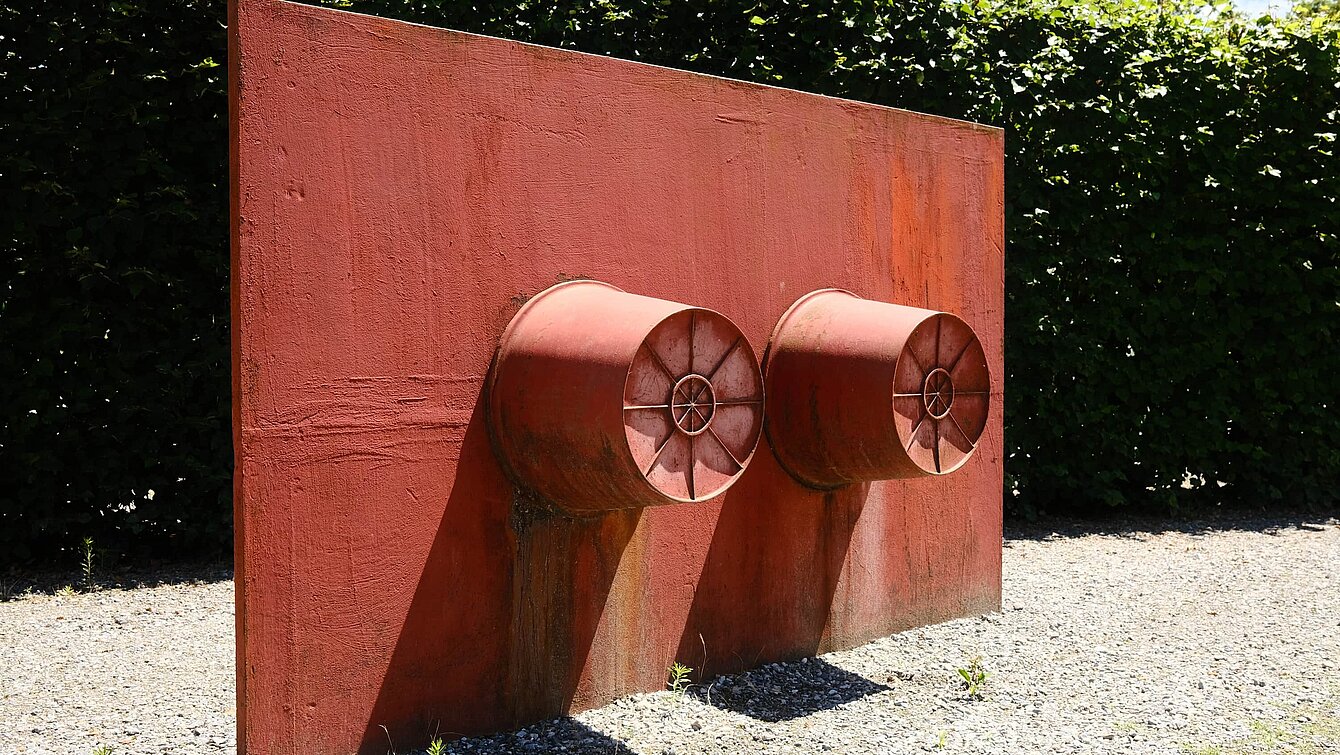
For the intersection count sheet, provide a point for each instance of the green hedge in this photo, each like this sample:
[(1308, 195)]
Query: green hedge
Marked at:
[(114, 310), (1171, 223)]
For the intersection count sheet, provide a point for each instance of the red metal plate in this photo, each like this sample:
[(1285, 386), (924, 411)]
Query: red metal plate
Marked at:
[(399, 192)]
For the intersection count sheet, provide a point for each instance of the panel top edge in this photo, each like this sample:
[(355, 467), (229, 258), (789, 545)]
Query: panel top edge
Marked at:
[(842, 102)]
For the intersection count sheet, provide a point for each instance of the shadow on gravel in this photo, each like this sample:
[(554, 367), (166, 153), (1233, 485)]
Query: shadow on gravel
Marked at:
[(15, 584), (557, 735), (1056, 528), (786, 692)]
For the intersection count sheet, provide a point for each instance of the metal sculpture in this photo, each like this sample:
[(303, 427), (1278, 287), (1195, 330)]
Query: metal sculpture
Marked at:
[(400, 192), (602, 400), (861, 390)]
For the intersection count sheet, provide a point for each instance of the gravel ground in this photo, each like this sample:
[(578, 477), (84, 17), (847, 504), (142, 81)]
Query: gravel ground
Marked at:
[(1215, 638), (147, 668)]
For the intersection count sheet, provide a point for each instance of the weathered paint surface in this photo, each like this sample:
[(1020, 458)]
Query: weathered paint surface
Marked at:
[(398, 193), (860, 391), (651, 402)]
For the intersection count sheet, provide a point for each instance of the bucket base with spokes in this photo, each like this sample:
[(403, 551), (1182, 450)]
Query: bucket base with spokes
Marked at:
[(860, 391), (602, 400)]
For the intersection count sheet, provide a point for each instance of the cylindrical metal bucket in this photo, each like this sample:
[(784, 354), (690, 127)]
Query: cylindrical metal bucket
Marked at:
[(602, 400), (861, 390)]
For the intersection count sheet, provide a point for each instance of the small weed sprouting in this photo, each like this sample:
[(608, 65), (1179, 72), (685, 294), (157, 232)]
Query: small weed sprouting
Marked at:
[(974, 678), (102, 750), (679, 678), (67, 591), (437, 746), (88, 565)]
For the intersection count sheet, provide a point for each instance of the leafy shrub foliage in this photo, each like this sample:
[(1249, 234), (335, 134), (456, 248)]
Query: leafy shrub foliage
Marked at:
[(114, 307), (1171, 225)]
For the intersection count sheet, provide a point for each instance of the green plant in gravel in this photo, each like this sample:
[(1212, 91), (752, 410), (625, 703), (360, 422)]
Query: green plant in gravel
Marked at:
[(1269, 734), (678, 682), (1307, 730), (437, 746), (1126, 727), (974, 678), (88, 565), (102, 750), (67, 591)]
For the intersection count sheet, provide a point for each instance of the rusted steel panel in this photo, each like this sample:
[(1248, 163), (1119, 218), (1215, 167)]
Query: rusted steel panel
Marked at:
[(399, 193), (602, 400), (860, 390)]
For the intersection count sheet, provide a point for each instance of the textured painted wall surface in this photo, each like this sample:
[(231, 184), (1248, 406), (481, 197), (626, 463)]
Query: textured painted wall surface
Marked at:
[(398, 193)]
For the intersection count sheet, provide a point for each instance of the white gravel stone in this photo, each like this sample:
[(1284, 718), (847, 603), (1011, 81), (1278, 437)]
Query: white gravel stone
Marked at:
[(1220, 637)]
